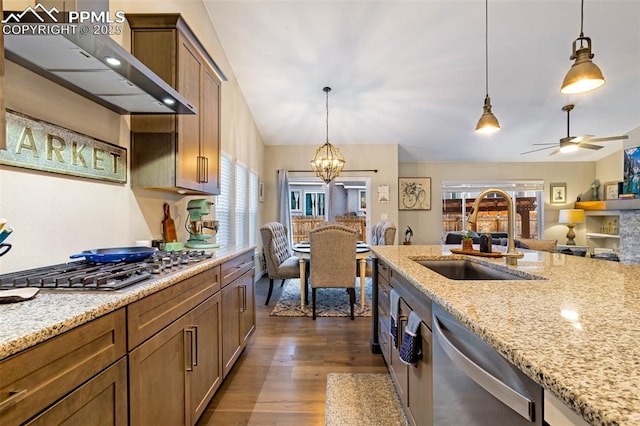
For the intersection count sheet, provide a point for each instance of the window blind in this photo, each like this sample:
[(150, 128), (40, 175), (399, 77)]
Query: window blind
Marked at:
[(241, 203), (223, 204), (253, 207)]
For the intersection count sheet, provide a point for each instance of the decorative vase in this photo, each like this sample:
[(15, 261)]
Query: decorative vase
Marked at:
[(467, 245)]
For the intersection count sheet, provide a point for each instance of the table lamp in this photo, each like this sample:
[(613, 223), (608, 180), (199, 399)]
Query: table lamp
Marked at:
[(570, 217)]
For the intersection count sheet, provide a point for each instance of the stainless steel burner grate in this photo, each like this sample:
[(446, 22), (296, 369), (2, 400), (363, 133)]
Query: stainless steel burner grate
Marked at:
[(84, 275)]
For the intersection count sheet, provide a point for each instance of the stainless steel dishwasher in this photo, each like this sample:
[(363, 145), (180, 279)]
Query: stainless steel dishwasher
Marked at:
[(474, 385)]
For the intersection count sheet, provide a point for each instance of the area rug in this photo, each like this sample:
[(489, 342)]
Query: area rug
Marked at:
[(362, 399), (330, 302)]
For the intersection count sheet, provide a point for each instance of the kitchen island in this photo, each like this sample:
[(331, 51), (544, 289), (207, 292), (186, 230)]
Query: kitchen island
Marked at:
[(574, 331)]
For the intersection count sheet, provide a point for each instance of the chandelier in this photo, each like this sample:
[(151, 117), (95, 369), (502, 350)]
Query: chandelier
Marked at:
[(327, 162)]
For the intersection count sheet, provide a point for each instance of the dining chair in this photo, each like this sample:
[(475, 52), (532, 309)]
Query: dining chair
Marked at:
[(333, 261), (281, 263), (383, 233)]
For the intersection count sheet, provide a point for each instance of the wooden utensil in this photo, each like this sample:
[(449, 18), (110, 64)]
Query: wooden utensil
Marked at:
[(168, 226)]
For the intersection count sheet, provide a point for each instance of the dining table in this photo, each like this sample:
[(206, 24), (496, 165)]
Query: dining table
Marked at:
[(302, 251)]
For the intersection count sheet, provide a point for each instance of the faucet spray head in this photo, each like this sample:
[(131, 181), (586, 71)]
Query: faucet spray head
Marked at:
[(473, 214)]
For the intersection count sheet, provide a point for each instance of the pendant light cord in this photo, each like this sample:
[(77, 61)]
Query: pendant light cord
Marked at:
[(327, 90), (486, 46), (581, 22)]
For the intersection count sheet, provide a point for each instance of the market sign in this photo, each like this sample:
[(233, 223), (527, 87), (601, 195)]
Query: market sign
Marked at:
[(38, 145)]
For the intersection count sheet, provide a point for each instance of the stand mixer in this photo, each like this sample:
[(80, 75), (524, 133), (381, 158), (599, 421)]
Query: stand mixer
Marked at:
[(196, 226)]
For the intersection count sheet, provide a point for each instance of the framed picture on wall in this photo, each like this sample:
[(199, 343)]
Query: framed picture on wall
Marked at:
[(558, 193), (383, 194), (414, 193), (611, 190), (631, 171)]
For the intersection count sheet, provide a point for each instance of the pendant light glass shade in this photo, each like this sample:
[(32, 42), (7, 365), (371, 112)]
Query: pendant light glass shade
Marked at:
[(488, 122), (327, 162), (583, 76)]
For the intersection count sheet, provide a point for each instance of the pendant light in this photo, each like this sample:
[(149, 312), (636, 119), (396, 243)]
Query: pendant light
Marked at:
[(327, 162), (584, 75), (488, 122)]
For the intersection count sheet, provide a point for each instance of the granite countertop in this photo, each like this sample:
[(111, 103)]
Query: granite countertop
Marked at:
[(575, 332), (50, 313)]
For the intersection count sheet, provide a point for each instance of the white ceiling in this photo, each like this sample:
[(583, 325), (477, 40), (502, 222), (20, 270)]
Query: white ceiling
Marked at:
[(412, 73)]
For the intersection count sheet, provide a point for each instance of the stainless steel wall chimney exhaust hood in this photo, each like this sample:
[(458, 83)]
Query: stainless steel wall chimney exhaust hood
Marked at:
[(79, 63)]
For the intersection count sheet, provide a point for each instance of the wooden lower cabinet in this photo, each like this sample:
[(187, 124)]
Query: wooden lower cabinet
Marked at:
[(397, 369), (206, 376), (159, 361), (238, 317), (420, 384), (174, 374), (102, 401), (414, 383), (61, 370)]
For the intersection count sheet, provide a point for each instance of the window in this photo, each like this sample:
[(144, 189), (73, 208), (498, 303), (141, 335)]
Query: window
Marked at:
[(314, 203), (457, 199), (242, 208), (223, 202), (253, 207)]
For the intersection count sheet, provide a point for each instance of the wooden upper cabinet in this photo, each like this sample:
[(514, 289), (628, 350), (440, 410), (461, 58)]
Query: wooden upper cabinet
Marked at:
[(211, 130), (176, 152), (190, 85)]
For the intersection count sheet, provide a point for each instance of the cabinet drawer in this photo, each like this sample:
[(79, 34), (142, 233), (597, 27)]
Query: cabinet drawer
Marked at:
[(149, 315), (384, 272), (36, 378), (384, 291), (234, 268), (384, 338), (100, 401)]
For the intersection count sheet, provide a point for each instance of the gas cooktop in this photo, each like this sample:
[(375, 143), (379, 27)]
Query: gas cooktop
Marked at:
[(84, 275)]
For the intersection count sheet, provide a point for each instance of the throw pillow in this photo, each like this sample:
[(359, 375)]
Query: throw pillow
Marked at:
[(541, 245)]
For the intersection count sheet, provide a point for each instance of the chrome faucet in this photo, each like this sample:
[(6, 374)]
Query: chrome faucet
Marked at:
[(512, 255)]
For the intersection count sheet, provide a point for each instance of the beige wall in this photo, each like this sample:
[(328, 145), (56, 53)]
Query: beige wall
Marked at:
[(55, 216), (427, 225), (578, 177), (384, 158), (610, 168)]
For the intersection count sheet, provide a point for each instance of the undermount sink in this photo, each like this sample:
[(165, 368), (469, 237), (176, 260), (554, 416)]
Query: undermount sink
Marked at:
[(467, 270)]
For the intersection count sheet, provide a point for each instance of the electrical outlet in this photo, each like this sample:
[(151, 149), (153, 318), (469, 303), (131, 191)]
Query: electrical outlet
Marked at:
[(384, 216)]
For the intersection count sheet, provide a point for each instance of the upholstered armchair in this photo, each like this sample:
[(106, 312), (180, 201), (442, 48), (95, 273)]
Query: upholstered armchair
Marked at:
[(281, 263), (333, 261)]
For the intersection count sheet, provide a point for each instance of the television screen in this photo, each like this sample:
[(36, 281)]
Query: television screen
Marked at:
[(632, 171)]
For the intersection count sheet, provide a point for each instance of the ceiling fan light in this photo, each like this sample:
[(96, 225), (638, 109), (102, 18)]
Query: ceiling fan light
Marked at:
[(488, 122), (569, 147)]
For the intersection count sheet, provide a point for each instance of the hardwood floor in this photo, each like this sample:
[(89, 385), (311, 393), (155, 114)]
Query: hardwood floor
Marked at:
[(280, 379)]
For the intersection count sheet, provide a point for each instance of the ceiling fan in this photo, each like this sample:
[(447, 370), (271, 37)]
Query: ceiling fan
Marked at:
[(572, 143)]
